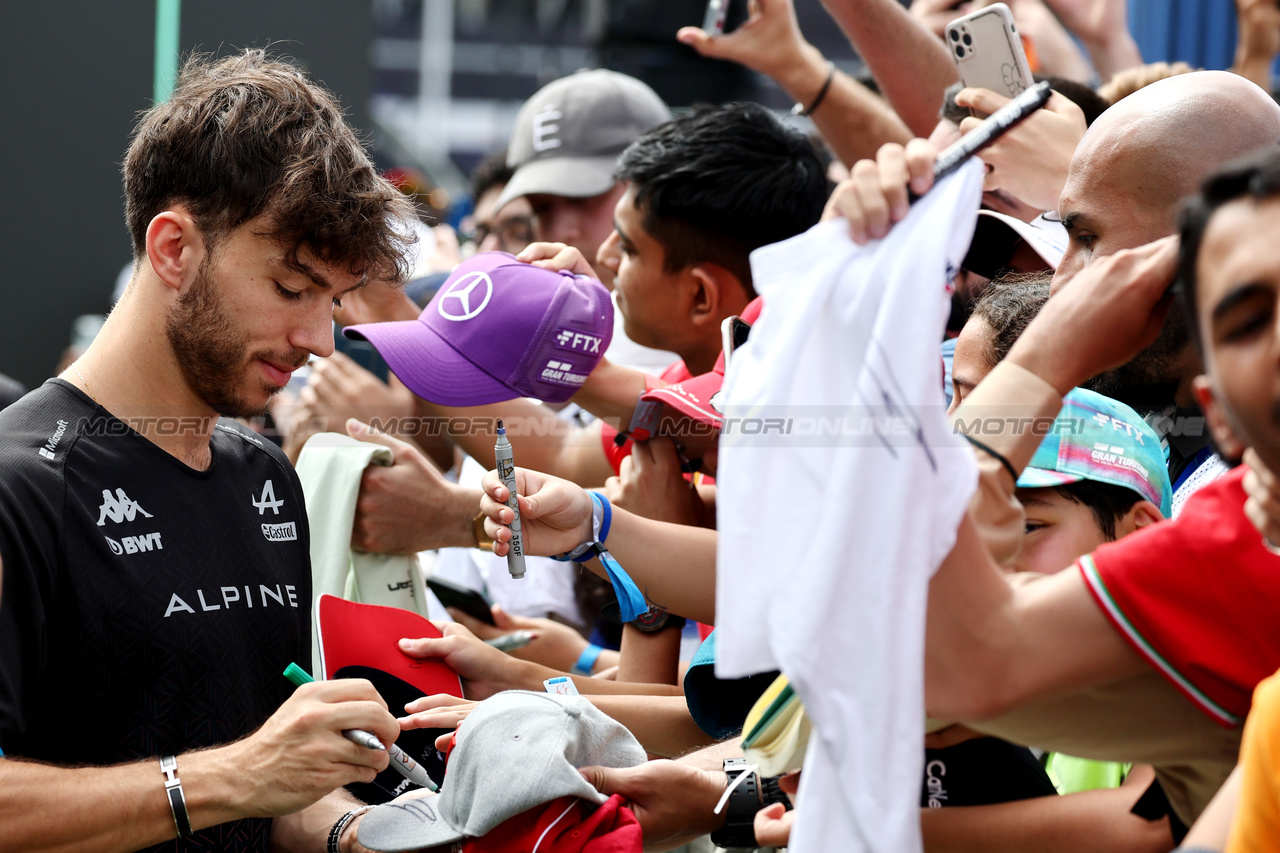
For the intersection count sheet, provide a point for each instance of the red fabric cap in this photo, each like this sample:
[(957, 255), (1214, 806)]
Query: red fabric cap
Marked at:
[(1197, 597), (614, 452), (355, 634), (694, 398), (565, 825), (685, 399)]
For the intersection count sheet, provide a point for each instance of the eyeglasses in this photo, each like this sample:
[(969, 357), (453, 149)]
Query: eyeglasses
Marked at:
[(513, 233)]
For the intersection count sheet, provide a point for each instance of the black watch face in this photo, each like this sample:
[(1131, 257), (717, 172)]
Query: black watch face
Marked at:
[(653, 619)]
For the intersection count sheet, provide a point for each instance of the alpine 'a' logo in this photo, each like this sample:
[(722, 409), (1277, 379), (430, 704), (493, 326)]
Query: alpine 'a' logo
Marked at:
[(119, 507), (462, 301), (268, 500)]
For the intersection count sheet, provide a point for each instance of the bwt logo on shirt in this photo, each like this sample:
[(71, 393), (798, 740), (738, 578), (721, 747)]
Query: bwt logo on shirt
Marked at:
[(575, 341), (135, 544)]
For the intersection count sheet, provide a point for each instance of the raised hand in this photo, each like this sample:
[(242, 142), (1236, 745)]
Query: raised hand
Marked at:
[(1104, 316), (1031, 160), (874, 196), (556, 257), (651, 483)]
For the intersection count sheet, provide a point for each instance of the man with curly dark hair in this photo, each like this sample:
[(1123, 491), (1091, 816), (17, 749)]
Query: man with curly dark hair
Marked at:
[(156, 573)]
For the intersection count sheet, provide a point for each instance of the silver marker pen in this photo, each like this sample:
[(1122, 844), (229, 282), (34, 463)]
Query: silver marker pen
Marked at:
[(507, 474), (366, 739), (511, 642)]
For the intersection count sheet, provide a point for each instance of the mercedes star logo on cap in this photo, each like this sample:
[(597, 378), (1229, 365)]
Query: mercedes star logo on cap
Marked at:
[(459, 297)]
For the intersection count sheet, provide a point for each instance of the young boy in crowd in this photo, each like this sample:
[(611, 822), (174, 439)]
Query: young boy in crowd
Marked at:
[(702, 192), (1098, 476)]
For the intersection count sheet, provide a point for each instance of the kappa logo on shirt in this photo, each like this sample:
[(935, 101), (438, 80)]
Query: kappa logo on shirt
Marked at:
[(119, 507)]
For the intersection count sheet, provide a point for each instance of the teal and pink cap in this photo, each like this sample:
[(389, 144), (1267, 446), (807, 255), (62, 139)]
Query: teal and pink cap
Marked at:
[(499, 329), (1100, 439)]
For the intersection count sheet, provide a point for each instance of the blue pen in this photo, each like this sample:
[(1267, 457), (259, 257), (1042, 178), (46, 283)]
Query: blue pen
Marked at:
[(400, 760)]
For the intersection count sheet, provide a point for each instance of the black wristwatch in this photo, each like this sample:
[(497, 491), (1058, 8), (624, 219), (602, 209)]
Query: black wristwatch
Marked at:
[(744, 801), (656, 619)]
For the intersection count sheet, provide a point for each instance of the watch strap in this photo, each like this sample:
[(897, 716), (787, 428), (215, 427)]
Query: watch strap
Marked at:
[(741, 801)]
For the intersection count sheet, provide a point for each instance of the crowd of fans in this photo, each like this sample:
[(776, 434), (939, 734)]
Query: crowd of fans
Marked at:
[(857, 512)]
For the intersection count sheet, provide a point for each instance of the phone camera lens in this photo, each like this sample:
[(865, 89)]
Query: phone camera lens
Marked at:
[(955, 35), (959, 51), (968, 40)]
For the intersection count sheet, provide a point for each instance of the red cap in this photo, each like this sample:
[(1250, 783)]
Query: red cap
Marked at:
[(699, 397), (355, 634), (564, 825)]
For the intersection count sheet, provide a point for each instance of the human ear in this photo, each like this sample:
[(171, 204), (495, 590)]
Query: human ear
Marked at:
[(1140, 515), (704, 285), (174, 246), (1229, 444), (718, 293)]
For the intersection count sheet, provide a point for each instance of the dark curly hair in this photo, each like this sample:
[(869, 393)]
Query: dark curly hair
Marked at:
[(247, 135)]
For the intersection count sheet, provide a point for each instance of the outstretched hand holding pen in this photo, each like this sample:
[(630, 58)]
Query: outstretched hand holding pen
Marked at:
[(555, 514), (673, 565)]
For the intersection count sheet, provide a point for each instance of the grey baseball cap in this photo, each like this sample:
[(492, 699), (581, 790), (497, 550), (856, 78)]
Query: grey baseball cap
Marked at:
[(516, 750), (569, 134)]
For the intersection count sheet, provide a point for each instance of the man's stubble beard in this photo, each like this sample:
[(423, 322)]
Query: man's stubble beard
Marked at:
[(211, 349), (1150, 382)]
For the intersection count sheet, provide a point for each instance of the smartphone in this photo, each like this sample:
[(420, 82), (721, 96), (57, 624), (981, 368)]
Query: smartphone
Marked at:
[(733, 334), (724, 16), (469, 601), (988, 51)]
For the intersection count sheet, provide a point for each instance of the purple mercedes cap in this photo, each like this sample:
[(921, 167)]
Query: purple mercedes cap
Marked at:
[(499, 329)]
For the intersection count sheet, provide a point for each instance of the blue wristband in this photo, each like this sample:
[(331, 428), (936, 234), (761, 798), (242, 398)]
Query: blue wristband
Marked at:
[(608, 516), (603, 510), (587, 660), (630, 600)]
